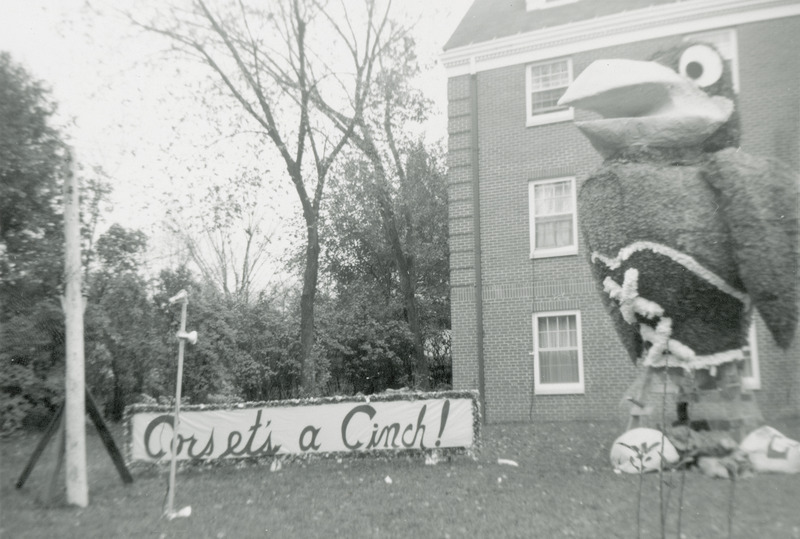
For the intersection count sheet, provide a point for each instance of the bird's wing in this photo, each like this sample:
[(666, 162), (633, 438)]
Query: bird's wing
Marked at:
[(601, 202), (758, 200)]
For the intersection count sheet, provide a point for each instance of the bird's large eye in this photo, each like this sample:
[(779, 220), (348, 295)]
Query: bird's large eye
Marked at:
[(701, 64)]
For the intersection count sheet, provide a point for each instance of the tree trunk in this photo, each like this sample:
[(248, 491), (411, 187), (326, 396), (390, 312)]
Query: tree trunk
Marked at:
[(408, 288), (116, 408), (405, 263), (310, 275), (408, 284)]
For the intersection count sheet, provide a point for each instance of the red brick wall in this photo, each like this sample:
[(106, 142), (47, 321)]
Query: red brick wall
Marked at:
[(461, 237), (514, 286)]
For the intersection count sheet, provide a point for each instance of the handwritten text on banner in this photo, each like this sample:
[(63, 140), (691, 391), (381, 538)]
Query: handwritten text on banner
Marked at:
[(315, 428)]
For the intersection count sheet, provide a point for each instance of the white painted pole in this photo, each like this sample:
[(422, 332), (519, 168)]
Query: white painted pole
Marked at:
[(75, 406)]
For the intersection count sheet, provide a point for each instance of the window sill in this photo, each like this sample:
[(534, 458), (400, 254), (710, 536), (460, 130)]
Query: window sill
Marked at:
[(559, 389), (552, 253), (551, 117)]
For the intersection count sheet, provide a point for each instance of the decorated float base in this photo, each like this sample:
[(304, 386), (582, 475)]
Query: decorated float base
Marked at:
[(703, 400), (704, 418)]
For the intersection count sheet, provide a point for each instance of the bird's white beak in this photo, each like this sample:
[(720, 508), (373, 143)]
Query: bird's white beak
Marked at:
[(644, 103)]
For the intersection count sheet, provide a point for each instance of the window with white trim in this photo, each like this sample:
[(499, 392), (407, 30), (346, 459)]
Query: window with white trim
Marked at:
[(726, 44), (751, 378), (546, 82), (557, 353), (553, 217)]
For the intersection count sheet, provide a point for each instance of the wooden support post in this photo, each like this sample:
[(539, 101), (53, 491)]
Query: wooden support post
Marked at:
[(57, 424), (75, 405), (52, 488), (108, 439), (37, 452)]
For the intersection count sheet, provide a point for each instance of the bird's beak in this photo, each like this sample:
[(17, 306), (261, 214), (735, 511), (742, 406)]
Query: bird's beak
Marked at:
[(644, 103)]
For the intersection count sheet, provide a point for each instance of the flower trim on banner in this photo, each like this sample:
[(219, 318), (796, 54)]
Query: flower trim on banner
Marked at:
[(385, 454)]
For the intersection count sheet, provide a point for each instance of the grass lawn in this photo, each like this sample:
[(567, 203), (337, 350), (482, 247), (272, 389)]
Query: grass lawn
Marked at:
[(564, 487)]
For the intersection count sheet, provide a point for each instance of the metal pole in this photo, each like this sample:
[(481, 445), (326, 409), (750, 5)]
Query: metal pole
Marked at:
[(181, 297), (476, 245)]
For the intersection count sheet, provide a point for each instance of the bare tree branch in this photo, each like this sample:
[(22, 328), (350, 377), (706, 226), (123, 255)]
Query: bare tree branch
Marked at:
[(284, 72)]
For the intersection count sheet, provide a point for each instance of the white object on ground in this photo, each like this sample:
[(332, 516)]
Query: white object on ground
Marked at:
[(432, 458), (639, 450), (186, 512), (712, 467), (770, 451), (507, 462)]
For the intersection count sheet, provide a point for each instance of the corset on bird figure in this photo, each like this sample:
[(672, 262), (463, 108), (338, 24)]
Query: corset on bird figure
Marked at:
[(686, 233)]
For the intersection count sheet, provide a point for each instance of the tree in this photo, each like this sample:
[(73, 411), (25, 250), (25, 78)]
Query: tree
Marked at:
[(31, 325), (123, 338), (33, 161), (243, 350), (95, 190), (392, 106), (271, 60), (228, 238), (32, 157), (366, 340), (121, 250), (361, 256), (267, 351)]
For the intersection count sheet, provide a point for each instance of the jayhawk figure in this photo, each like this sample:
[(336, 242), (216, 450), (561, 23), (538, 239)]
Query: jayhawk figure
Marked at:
[(686, 233)]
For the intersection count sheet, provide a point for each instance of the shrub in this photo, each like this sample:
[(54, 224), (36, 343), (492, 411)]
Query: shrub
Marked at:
[(26, 400)]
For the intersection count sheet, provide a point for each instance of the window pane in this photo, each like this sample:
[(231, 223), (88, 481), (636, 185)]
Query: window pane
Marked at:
[(553, 208), (548, 82), (747, 371), (546, 101), (553, 198), (544, 341), (558, 367), (549, 76), (552, 232), (558, 349)]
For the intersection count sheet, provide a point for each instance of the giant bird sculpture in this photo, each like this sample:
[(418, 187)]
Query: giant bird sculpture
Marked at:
[(686, 233)]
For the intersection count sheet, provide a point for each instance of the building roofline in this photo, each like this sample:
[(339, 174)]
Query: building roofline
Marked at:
[(618, 29)]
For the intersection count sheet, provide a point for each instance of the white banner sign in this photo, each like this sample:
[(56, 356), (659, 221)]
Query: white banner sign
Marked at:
[(267, 430)]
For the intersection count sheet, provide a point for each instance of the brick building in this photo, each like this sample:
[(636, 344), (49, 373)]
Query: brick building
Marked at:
[(519, 274)]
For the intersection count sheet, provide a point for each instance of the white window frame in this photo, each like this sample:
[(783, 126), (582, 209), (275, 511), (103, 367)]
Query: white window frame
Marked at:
[(568, 250), (575, 388), (726, 43), (533, 5), (563, 115), (753, 381)]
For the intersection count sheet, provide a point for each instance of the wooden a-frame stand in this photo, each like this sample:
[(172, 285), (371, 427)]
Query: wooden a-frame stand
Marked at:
[(57, 424)]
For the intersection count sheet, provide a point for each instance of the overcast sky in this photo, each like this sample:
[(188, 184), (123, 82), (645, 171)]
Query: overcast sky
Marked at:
[(120, 115)]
